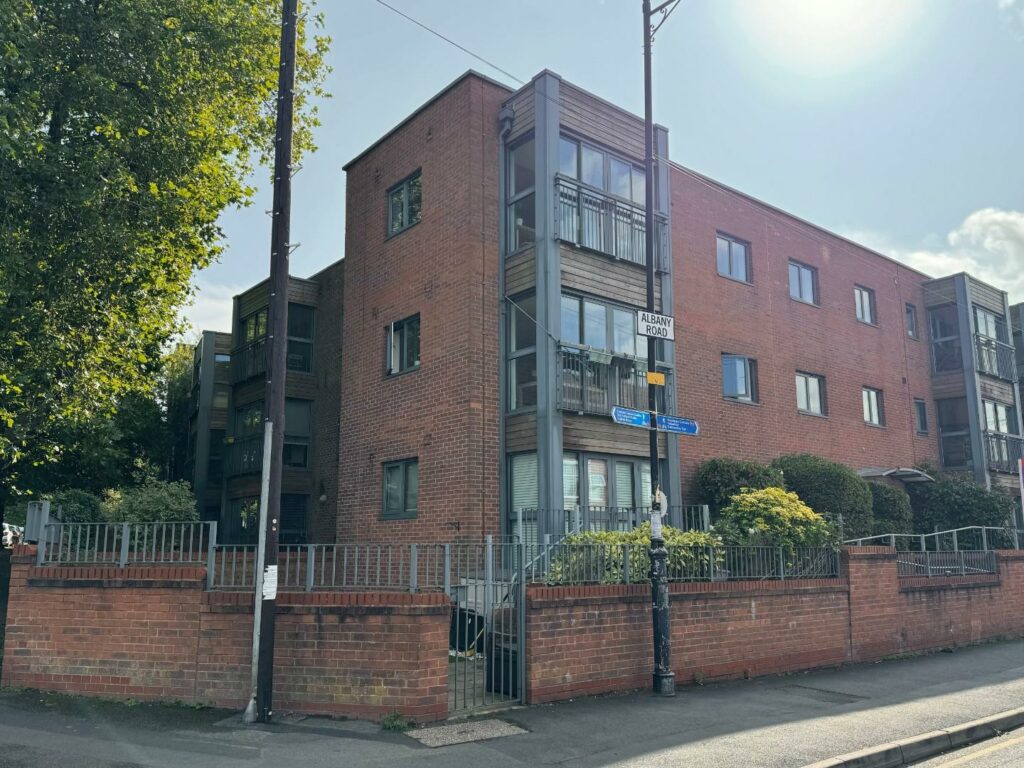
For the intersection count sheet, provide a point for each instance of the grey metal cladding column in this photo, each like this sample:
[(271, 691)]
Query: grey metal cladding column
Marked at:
[(965, 320), (1016, 384), (663, 205), (549, 287)]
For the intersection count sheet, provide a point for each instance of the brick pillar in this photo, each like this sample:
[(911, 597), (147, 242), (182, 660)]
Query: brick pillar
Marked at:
[(874, 602)]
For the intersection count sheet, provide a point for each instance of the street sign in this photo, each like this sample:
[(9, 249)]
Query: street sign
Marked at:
[(675, 424), (631, 417), (656, 377), (658, 326)]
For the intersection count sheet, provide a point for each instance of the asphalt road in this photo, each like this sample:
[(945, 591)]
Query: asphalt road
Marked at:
[(1007, 751), (781, 722)]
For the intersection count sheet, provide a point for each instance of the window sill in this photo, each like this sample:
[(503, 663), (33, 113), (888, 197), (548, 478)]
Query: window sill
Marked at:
[(812, 413), (913, 338), (732, 279), (805, 302), (520, 411), (406, 228), (520, 250), (738, 401), (920, 434), (399, 374), (874, 426), (865, 322), (398, 518)]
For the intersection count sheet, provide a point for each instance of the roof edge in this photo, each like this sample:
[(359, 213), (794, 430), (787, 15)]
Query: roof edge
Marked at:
[(469, 73)]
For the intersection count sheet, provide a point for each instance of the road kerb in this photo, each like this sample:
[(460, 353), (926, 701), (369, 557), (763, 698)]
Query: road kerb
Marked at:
[(925, 745)]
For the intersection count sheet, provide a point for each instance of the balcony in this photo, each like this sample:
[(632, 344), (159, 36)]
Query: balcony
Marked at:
[(995, 358), (245, 455), (249, 360), (593, 382), (596, 221), (1003, 451)]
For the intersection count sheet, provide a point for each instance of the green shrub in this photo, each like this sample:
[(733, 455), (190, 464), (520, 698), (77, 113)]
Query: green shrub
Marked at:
[(153, 501), (718, 480), (890, 507), (952, 502), (773, 517), (830, 489), (689, 552), (76, 506)]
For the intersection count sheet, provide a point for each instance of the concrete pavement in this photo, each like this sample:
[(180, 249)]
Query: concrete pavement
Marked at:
[(781, 722), (1006, 751)]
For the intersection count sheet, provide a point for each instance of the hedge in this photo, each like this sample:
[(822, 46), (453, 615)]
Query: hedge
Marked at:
[(830, 489), (718, 480), (890, 507)]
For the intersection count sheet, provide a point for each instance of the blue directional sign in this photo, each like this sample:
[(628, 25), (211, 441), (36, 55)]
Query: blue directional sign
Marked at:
[(631, 417), (675, 424)]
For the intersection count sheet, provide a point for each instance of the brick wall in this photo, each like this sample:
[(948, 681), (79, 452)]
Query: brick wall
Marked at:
[(717, 315), (445, 268), (587, 640), (153, 633)]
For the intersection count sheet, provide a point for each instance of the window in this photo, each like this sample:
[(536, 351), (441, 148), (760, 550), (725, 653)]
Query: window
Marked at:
[(401, 489), (248, 446), (990, 325), (733, 258), (293, 518), (739, 378), (215, 462), (248, 419), (803, 282), (254, 326), (522, 223), (300, 338), (944, 327), (522, 352), (221, 394), (609, 481), (864, 298), (222, 357), (245, 514), (598, 169), (404, 345), (296, 433), (810, 393), (603, 326), (910, 313), (920, 416), (954, 432), (404, 204), (874, 407), (1000, 418)]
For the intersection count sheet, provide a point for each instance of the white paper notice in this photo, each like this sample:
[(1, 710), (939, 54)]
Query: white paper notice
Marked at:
[(270, 583)]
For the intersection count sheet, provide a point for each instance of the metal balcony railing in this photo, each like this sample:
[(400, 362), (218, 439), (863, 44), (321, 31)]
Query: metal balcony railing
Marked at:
[(249, 360), (1003, 451), (996, 358), (593, 382), (589, 218), (245, 455)]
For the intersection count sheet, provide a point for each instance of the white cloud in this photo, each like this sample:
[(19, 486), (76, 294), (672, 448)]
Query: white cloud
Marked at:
[(989, 245), (210, 310)]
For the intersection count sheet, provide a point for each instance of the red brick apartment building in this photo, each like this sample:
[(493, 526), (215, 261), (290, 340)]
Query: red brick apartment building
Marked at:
[(494, 265)]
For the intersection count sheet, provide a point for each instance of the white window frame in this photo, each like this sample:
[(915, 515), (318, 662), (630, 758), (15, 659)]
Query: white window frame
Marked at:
[(803, 381), (873, 404)]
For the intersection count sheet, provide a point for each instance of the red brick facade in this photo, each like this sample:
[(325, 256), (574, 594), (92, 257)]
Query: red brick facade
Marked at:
[(588, 640), (445, 268), (717, 315)]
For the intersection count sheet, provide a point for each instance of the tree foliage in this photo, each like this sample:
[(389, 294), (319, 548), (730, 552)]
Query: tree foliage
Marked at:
[(952, 502), (126, 128), (830, 489), (718, 480), (773, 517), (152, 501), (890, 508)]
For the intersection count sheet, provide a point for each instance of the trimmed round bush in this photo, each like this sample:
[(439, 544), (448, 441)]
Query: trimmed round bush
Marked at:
[(830, 489), (890, 507), (773, 517), (952, 502), (718, 480)]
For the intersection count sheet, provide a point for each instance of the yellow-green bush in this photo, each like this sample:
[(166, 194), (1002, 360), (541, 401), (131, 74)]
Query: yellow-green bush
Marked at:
[(773, 517), (598, 556)]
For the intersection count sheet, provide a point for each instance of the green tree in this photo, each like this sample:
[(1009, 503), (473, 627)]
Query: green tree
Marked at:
[(152, 501), (718, 480), (126, 128), (830, 489), (952, 502)]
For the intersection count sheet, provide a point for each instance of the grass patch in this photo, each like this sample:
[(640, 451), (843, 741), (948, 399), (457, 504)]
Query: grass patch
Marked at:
[(396, 723)]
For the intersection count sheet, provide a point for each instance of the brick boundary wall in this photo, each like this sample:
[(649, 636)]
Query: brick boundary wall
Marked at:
[(154, 633), (597, 639)]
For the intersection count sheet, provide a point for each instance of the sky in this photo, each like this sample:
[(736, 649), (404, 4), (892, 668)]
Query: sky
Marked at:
[(896, 123)]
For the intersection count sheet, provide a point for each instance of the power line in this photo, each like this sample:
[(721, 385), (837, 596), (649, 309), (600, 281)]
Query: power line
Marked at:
[(448, 40)]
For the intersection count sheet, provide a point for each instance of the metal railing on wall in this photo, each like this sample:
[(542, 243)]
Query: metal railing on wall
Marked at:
[(248, 360), (970, 538), (533, 524), (995, 358), (959, 563), (124, 544), (593, 381), (1003, 452)]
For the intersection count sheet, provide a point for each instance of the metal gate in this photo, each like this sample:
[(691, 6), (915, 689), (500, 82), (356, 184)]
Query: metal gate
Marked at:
[(487, 638)]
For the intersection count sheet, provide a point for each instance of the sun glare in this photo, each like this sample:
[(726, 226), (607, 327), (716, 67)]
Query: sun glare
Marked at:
[(827, 38)]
